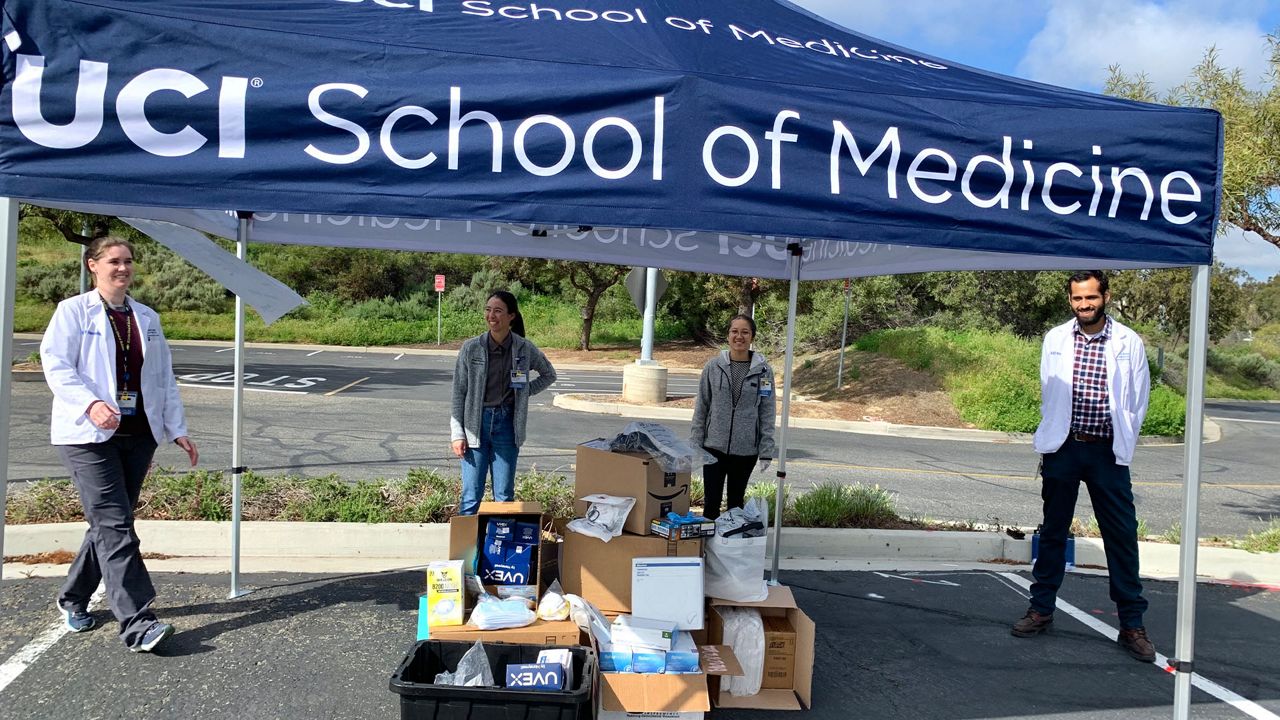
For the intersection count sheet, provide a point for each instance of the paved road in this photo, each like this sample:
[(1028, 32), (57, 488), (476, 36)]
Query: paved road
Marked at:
[(889, 645), (366, 415)]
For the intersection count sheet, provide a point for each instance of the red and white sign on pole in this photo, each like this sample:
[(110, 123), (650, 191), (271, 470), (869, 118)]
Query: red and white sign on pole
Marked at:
[(439, 283), (439, 302)]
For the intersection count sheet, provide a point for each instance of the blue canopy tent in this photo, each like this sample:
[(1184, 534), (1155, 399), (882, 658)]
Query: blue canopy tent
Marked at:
[(746, 138)]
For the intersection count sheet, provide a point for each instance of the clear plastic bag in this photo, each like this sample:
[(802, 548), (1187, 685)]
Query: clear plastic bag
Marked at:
[(473, 670), (553, 606), (744, 632), (493, 613), (605, 517), (674, 453)]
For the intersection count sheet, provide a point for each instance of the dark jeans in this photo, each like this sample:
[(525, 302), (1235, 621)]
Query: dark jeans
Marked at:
[(737, 468), (109, 476), (1111, 493)]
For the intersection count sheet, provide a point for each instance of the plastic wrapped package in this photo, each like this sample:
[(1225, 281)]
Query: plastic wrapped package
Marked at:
[(494, 613), (553, 605), (744, 632), (589, 619), (605, 517), (473, 670), (673, 453)]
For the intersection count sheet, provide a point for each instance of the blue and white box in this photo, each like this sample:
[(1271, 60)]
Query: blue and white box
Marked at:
[(506, 563), (615, 658), (536, 676), (641, 632), (647, 660), (683, 656), (669, 588)]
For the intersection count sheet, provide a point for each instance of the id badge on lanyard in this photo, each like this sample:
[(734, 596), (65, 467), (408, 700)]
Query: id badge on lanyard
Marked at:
[(766, 387), (519, 378), (127, 401)]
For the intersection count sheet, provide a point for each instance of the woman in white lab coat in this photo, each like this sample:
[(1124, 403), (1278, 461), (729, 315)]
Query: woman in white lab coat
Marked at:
[(115, 400)]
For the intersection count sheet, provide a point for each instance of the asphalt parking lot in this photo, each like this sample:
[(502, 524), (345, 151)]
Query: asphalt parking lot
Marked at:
[(890, 645)]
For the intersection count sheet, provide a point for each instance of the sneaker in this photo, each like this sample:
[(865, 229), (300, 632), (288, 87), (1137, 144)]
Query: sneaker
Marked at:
[(1031, 624), (153, 636), (78, 620), (1135, 642)]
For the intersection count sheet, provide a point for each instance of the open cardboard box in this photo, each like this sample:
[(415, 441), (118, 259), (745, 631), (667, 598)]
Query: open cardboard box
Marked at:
[(541, 632), (600, 572), (783, 604), (634, 692), (466, 535), (657, 492)]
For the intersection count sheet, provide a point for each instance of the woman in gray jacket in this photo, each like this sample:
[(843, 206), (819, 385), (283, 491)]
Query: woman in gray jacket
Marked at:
[(491, 389), (733, 416)]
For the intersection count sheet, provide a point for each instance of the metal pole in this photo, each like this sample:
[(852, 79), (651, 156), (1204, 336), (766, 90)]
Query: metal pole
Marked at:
[(439, 301), (237, 416), (844, 335), (1184, 644), (8, 286), (794, 249), (84, 253), (650, 312)]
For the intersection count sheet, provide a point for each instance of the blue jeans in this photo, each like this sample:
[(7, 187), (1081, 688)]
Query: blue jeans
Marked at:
[(1111, 492), (497, 450)]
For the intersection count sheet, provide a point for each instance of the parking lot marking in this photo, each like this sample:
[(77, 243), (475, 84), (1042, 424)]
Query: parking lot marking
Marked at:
[(225, 350), (314, 353), (1260, 422), (398, 356), (248, 389), (344, 387), (1239, 702), (21, 660)]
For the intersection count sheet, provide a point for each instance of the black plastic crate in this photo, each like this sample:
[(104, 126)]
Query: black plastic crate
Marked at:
[(422, 700)]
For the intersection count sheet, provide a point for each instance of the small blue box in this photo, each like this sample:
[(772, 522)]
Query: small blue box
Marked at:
[(648, 660), (503, 563), (683, 656), (536, 676), (615, 658), (1070, 555)]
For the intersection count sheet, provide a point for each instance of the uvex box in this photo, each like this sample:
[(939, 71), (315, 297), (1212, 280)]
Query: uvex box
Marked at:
[(600, 572), (779, 604), (656, 491), (468, 535)]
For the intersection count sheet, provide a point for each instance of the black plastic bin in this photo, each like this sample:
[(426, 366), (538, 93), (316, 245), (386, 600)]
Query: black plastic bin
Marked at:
[(422, 700)]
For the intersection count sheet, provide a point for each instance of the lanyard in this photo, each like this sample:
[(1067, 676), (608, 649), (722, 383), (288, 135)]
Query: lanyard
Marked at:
[(123, 342)]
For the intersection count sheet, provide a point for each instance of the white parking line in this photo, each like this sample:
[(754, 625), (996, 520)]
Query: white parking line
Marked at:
[(29, 653), (398, 356), (1260, 422), (248, 389), (225, 350), (314, 353), (1239, 702), (344, 387)]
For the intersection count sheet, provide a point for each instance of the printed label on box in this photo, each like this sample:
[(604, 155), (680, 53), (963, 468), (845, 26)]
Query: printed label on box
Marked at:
[(536, 676)]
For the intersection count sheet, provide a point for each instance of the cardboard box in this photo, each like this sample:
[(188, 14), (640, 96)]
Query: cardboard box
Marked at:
[(779, 672), (600, 572), (610, 715), (780, 604), (643, 632), (779, 635), (663, 527), (630, 475), (665, 588), (536, 676), (631, 692), (541, 632), (467, 535)]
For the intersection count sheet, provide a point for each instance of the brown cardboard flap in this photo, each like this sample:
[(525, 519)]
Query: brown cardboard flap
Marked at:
[(632, 692), (763, 700), (541, 632), (779, 597), (718, 660), (510, 508), (806, 631)]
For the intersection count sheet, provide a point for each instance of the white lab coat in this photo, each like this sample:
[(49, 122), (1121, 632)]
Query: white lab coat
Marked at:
[(1128, 386), (78, 353)]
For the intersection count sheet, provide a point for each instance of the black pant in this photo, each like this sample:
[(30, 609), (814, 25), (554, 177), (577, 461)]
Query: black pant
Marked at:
[(738, 469), (1112, 495), (109, 476)]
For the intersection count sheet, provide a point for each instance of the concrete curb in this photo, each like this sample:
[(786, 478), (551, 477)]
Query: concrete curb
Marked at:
[(579, 403), (352, 547)]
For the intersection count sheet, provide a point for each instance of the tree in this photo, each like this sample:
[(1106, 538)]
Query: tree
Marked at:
[(1251, 167), (1160, 300), (592, 280)]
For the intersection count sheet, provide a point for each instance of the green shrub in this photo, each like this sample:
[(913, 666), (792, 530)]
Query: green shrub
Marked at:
[(1266, 540), (1166, 413), (49, 283), (552, 490), (836, 505)]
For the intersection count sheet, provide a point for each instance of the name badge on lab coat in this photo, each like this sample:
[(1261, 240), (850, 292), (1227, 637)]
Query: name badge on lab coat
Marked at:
[(127, 402)]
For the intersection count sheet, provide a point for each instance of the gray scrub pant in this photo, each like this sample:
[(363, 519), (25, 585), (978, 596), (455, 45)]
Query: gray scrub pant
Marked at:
[(109, 476)]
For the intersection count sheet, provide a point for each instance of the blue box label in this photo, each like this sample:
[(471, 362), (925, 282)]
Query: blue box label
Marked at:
[(536, 676)]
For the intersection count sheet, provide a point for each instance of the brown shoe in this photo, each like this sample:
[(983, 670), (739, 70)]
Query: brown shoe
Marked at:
[(1033, 623), (1135, 642)]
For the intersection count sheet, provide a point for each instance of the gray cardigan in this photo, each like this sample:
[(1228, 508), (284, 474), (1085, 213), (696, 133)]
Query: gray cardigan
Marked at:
[(718, 425), (468, 386)]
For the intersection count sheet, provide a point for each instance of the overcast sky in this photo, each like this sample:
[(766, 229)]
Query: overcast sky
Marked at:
[(1072, 42)]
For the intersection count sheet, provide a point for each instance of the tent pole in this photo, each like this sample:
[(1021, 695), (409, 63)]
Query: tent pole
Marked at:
[(1184, 648), (795, 251), (237, 416), (8, 284)]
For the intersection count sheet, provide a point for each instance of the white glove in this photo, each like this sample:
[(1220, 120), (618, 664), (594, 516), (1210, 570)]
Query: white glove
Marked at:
[(763, 464)]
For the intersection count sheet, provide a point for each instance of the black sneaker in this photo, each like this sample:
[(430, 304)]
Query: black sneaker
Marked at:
[(153, 636), (1135, 642), (1031, 624)]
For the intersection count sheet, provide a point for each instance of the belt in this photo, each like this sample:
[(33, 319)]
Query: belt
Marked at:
[(1086, 437)]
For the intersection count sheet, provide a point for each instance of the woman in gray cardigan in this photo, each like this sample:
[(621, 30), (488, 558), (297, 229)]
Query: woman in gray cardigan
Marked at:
[(733, 416), (491, 389)]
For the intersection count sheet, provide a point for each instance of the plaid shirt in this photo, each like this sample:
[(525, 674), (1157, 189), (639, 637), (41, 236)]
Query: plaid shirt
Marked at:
[(1090, 406)]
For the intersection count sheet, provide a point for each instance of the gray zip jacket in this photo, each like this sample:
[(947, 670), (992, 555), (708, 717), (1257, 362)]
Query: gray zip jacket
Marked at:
[(468, 386), (744, 430)]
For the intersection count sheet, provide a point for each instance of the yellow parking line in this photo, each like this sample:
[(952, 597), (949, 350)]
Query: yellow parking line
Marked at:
[(347, 386)]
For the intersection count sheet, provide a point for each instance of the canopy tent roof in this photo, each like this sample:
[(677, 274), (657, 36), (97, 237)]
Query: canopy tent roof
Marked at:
[(749, 118)]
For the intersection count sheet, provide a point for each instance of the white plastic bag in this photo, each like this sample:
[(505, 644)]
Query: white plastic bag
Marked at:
[(734, 560), (553, 606), (493, 613), (473, 670), (589, 619), (744, 632), (605, 517)]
